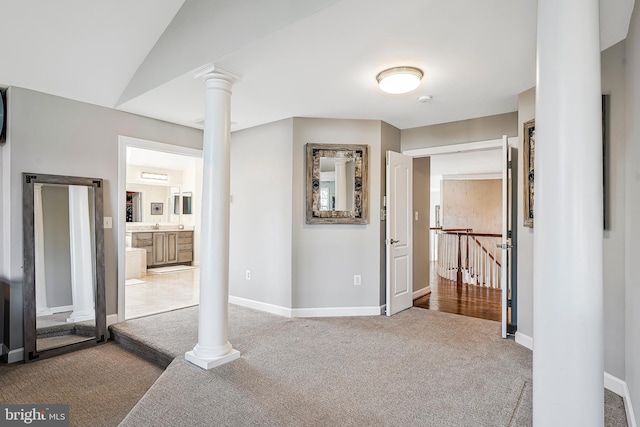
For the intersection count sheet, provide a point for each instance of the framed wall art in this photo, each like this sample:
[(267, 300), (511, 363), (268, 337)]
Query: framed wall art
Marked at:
[(156, 208)]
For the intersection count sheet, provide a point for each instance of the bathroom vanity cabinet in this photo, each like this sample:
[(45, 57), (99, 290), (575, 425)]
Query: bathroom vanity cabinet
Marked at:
[(165, 247)]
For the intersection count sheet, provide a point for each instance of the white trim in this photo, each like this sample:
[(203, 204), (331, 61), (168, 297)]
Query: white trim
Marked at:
[(336, 311), (124, 142), (61, 309), (16, 355), (262, 306), (111, 319), (421, 292), (524, 340), (460, 148), (620, 388)]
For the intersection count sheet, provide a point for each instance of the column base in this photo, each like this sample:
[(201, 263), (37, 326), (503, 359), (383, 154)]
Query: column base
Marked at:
[(209, 363)]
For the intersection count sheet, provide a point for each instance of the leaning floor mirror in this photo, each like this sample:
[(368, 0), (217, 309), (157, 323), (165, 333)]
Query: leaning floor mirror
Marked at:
[(63, 286)]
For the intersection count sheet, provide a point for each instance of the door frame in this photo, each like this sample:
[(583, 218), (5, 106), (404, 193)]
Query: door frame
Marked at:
[(491, 144), (123, 143)]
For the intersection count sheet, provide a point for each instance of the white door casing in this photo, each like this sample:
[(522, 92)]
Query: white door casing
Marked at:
[(399, 235), (504, 267)]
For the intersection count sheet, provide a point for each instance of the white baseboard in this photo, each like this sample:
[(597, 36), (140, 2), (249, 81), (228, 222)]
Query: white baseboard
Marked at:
[(611, 383), (421, 292), (524, 340), (4, 349), (16, 355), (111, 319), (262, 306), (305, 312), (620, 388), (336, 311)]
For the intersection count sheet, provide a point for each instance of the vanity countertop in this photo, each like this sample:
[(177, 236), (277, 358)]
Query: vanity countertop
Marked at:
[(161, 229)]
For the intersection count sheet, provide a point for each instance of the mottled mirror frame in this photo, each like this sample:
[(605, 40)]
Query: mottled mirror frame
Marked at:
[(29, 279), (528, 150), (360, 212)]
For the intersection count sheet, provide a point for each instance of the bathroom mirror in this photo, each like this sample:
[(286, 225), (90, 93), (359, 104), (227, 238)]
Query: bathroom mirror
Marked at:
[(337, 184), (63, 285)]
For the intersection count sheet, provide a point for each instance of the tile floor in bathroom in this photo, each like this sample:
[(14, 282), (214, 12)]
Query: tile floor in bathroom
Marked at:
[(158, 292)]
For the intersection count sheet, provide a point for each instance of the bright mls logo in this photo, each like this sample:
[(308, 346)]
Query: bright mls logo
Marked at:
[(35, 415)]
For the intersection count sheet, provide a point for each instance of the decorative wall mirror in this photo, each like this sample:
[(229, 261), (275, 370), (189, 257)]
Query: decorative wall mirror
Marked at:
[(337, 184), (63, 286)]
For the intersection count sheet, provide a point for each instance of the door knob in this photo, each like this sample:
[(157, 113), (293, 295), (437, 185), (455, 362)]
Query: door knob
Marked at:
[(393, 241)]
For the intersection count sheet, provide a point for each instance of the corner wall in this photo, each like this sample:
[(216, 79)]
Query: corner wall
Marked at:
[(261, 225)]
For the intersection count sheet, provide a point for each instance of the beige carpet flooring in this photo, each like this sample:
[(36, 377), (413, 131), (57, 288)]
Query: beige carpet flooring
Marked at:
[(417, 368), (100, 384)]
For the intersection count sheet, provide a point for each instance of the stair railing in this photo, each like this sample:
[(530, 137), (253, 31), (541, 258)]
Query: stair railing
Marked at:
[(468, 257)]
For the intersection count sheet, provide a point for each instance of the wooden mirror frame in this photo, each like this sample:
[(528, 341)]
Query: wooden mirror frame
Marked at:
[(360, 212), (29, 281)]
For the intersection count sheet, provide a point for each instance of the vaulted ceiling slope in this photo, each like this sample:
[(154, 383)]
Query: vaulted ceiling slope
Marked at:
[(312, 58)]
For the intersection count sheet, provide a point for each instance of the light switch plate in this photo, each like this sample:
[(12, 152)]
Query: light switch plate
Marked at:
[(108, 222)]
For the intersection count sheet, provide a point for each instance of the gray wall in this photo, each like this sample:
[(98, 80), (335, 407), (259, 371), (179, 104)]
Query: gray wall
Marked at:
[(421, 194), (526, 112), (261, 223), (632, 211), (613, 75), (54, 135), (326, 257), (472, 130), (57, 245)]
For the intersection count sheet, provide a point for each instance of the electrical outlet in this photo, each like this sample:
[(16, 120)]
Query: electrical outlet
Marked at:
[(357, 280), (247, 275), (108, 222)]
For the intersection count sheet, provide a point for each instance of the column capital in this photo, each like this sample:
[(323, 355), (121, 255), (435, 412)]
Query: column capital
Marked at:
[(212, 71)]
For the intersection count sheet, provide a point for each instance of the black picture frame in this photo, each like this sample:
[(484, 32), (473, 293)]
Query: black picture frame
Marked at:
[(156, 208)]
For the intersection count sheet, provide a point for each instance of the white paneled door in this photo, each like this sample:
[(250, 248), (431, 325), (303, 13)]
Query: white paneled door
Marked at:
[(399, 239)]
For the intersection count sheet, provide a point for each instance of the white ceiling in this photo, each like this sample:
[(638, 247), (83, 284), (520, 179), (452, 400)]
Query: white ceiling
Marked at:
[(316, 58)]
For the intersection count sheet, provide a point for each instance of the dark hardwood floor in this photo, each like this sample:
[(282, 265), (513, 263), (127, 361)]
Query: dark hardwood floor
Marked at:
[(467, 300)]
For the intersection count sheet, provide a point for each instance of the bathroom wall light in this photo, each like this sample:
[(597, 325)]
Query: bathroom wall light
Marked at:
[(399, 79), (156, 176)]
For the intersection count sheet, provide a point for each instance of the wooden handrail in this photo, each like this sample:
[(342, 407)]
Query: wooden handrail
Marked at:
[(485, 249)]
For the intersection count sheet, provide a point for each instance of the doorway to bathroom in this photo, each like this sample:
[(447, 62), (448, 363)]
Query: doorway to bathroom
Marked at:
[(158, 227)]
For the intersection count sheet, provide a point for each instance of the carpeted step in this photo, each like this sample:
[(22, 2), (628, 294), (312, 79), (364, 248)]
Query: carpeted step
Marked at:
[(139, 347)]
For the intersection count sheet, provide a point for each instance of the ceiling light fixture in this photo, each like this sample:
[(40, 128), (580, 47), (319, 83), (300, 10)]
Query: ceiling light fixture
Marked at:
[(399, 79), (156, 176)]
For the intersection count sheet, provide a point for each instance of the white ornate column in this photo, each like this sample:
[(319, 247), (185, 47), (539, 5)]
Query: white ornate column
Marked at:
[(341, 184), (82, 282), (42, 307), (568, 354), (213, 347)]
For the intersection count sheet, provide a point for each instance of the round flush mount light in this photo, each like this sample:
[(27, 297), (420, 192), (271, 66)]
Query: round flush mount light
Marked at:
[(399, 79)]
